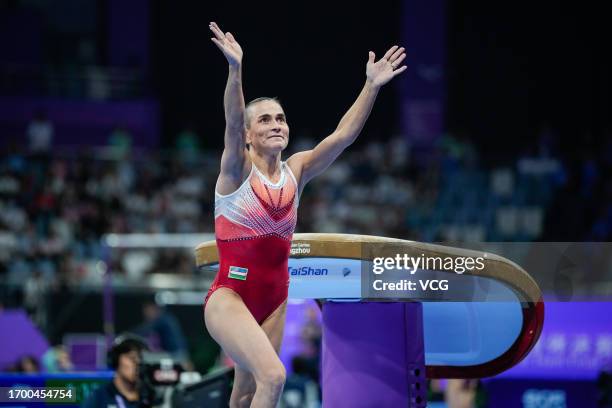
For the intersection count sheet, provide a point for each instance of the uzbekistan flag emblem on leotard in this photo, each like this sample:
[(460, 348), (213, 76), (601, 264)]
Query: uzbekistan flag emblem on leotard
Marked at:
[(235, 272)]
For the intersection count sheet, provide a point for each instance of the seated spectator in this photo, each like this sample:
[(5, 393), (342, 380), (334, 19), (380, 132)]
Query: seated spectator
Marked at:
[(27, 365), (57, 360)]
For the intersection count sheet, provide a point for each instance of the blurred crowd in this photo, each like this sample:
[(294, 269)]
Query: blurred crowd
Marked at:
[(54, 210), (55, 205)]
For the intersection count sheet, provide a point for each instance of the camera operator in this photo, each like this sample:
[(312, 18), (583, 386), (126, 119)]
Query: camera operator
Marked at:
[(124, 390)]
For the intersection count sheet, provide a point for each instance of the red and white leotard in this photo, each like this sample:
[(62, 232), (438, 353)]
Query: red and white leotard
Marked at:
[(253, 228)]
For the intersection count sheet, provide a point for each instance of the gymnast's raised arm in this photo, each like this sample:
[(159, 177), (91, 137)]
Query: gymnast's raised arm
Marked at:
[(310, 163), (234, 153)]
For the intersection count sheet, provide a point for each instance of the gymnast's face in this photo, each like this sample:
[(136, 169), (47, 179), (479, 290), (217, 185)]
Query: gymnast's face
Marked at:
[(268, 130)]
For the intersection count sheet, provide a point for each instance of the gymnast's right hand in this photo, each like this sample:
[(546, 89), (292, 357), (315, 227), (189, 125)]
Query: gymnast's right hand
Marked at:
[(227, 44)]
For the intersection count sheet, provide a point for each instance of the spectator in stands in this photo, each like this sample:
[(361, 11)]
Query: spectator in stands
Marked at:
[(120, 141), (188, 144), (27, 365), (57, 360), (40, 133), (35, 291)]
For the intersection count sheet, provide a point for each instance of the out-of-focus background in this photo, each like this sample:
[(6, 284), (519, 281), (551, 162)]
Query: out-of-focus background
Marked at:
[(111, 122)]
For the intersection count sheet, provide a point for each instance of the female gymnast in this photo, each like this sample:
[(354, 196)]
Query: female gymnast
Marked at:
[(256, 201)]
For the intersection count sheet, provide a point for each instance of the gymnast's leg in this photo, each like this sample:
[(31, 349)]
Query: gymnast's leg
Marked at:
[(244, 383), (231, 324)]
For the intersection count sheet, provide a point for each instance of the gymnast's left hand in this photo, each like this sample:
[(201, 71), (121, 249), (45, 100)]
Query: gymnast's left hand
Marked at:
[(381, 72)]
